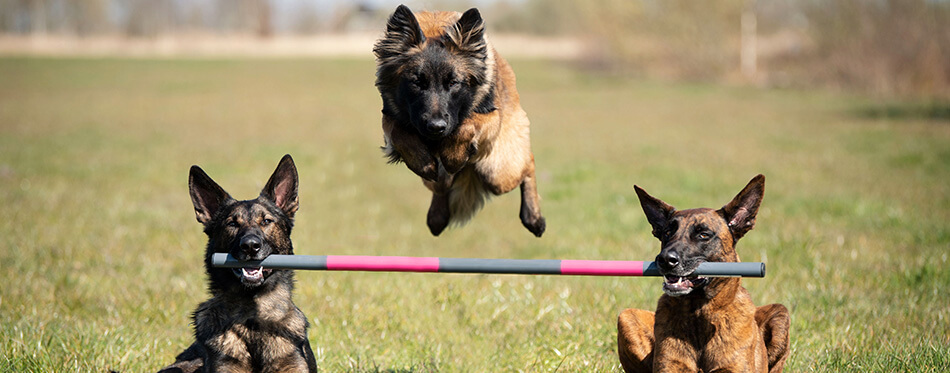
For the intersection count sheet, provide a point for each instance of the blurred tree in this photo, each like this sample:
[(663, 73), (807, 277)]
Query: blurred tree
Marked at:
[(888, 46), (674, 38), (253, 16), (147, 17), (306, 20), (88, 17)]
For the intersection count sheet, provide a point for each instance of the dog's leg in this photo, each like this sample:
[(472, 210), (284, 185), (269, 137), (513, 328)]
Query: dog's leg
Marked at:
[(635, 340), (531, 206), (438, 217), (774, 322), (225, 351), (217, 362), (307, 353), (403, 145), (456, 150), (189, 361)]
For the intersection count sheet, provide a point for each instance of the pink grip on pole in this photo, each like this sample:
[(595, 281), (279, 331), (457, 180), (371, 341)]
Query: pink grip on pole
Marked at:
[(602, 268), (382, 263)]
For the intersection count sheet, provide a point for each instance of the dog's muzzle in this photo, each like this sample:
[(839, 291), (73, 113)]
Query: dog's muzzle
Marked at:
[(681, 285), (251, 276), (678, 281), (249, 248)]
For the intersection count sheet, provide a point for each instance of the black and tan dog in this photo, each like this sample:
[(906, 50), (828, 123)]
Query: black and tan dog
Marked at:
[(452, 114), (703, 324), (250, 324)]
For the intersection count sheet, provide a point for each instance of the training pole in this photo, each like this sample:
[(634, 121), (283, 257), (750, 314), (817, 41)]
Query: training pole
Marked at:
[(472, 265)]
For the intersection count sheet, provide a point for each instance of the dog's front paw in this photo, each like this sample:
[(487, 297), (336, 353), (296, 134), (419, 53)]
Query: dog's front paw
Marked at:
[(454, 165), (535, 225), (456, 151), (455, 156), (428, 171)]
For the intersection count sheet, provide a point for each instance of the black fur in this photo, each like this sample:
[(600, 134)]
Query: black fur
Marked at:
[(250, 314), (432, 84)]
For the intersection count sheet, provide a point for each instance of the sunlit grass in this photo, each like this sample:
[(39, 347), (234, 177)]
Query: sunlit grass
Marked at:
[(101, 255)]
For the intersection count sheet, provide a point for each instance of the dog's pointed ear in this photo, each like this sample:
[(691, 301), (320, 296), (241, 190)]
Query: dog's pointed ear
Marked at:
[(740, 213), (281, 188), (658, 212), (468, 34), (402, 32), (206, 195)]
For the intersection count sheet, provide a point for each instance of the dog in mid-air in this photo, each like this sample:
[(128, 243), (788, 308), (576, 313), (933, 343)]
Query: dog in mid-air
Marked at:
[(451, 113), (250, 324), (703, 324)]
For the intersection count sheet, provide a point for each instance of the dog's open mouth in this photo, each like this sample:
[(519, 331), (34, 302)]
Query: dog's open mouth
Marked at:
[(251, 275), (682, 285)]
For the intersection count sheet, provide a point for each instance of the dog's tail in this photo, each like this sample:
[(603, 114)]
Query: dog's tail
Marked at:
[(466, 197)]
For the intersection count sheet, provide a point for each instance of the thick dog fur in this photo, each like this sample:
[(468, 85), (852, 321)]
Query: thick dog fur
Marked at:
[(250, 324), (700, 324), (452, 114)]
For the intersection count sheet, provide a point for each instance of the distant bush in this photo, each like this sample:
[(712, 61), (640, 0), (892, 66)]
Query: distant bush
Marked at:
[(891, 47), (886, 47)]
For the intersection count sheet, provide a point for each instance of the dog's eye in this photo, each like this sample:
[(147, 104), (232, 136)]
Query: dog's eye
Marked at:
[(233, 223), (455, 83), (268, 221), (703, 236)]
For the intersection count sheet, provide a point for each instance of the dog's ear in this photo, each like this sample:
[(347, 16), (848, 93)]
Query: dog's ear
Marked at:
[(468, 34), (658, 212), (740, 213), (402, 32), (206, 195), (282, 186)]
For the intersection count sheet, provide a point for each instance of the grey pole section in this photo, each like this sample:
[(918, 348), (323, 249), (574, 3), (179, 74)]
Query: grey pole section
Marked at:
[(473, 265)]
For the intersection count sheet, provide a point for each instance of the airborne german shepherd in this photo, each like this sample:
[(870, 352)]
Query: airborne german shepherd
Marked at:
[(452, 114), (250, 324)]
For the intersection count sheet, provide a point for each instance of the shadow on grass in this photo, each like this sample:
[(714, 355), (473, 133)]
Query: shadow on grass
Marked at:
[(934, 110)]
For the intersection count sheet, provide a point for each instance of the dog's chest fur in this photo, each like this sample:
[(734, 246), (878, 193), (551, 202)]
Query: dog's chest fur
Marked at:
[(267, 326), (707, 328)]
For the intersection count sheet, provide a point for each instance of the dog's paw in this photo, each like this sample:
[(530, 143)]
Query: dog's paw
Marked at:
[(455, 158), (429, 171), (535, 226), (472, 149), (438, 217), (453, 166)]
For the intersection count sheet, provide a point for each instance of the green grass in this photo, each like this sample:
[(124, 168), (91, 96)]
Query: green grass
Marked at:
[(101, 255)]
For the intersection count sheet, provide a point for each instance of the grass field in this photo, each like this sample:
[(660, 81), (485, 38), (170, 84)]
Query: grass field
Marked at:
[(101, 255)]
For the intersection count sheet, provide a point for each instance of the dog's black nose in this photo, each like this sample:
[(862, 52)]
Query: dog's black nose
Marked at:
[(250, 244), (668, 260), (436, 126)]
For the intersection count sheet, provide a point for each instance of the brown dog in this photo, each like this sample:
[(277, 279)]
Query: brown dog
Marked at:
[(703, 324), (452, 114)]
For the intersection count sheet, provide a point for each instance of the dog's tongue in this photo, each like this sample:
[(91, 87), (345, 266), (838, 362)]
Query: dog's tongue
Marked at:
[(253, 274)]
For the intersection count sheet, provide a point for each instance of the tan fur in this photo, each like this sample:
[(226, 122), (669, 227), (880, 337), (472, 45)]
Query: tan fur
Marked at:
[(231, 344), (713, 329), (490, 152), (273, 307)]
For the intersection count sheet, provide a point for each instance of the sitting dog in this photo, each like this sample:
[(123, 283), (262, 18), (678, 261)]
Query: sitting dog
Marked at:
[(250, 324), (703, 324)]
